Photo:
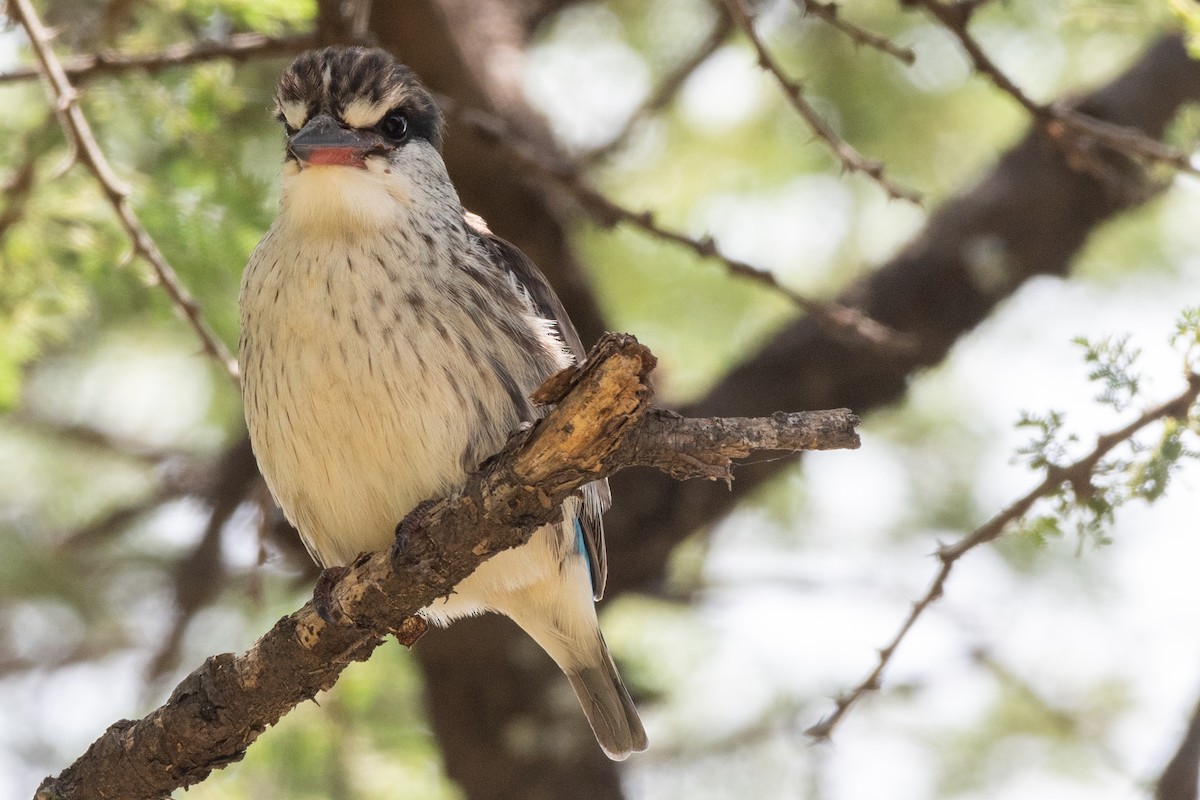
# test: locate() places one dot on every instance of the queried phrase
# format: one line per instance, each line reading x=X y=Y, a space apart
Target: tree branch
x=1059 y=121
x=79 y=132
x=831 y=15
x=602 y=423
x=239 y=47
x=842 y=150
x=975 y=251
x=843 y=321
x=1078 y=475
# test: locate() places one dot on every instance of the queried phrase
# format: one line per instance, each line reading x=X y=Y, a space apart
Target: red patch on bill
x=334 y=156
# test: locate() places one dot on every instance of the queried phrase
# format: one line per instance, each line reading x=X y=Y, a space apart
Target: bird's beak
x=323 y=142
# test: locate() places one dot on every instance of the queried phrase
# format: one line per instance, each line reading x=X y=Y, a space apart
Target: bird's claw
x=323 y=602
x=413 y=521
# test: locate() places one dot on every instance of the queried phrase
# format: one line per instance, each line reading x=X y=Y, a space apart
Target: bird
x=389 y=344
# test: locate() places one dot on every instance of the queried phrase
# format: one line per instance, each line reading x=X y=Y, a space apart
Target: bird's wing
x=517 y=266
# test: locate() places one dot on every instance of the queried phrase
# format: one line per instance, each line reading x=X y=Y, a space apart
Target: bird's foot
x=326 y=607
x=408 y=528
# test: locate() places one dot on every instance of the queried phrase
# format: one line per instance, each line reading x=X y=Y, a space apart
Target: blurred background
x=1063 y=661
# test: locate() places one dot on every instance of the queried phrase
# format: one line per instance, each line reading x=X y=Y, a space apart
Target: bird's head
x=363 y=133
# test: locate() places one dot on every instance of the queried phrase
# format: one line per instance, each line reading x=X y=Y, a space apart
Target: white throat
x=348 y=202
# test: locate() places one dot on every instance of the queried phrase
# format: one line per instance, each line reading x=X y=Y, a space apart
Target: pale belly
x=361 y=404
x=349 y=449
x=351 y=439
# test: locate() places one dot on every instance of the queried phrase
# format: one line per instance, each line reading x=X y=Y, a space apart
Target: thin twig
x=239 y=47
x=845 y=153
x=847 y=322
x=1078 y=474
x=831 y=14
x=1060 y=122
x=667 y=88
x=78 y=130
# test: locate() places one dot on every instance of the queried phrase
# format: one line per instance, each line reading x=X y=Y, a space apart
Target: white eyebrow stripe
x=294 y=112
x=361 y=113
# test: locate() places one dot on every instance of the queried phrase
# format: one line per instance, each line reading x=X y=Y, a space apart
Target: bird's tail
x=606 y=703
x=561 y=617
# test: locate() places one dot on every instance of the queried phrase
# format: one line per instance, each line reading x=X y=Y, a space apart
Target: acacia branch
x=86 y=149
x=239 y=47
x=1077 y=475
x=842 y=150
x=602 y=422
x=1058 y=121
x=843 y=321
x=831 y=15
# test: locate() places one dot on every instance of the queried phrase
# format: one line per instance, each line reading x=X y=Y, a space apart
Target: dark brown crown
x=359 y=82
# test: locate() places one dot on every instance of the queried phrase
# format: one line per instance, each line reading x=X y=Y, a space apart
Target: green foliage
x=1050 y=444
x=1111 y=361
x=201 y=153
x=1150 y=473
x=1089 y=492
x=1187 y=336
x=1041 y=529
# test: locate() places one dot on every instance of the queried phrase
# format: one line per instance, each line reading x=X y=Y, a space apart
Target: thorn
x=67 y=99
x=819 y=733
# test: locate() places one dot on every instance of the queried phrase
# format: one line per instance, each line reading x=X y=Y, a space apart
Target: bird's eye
x=394 y=126
x=289 y=130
